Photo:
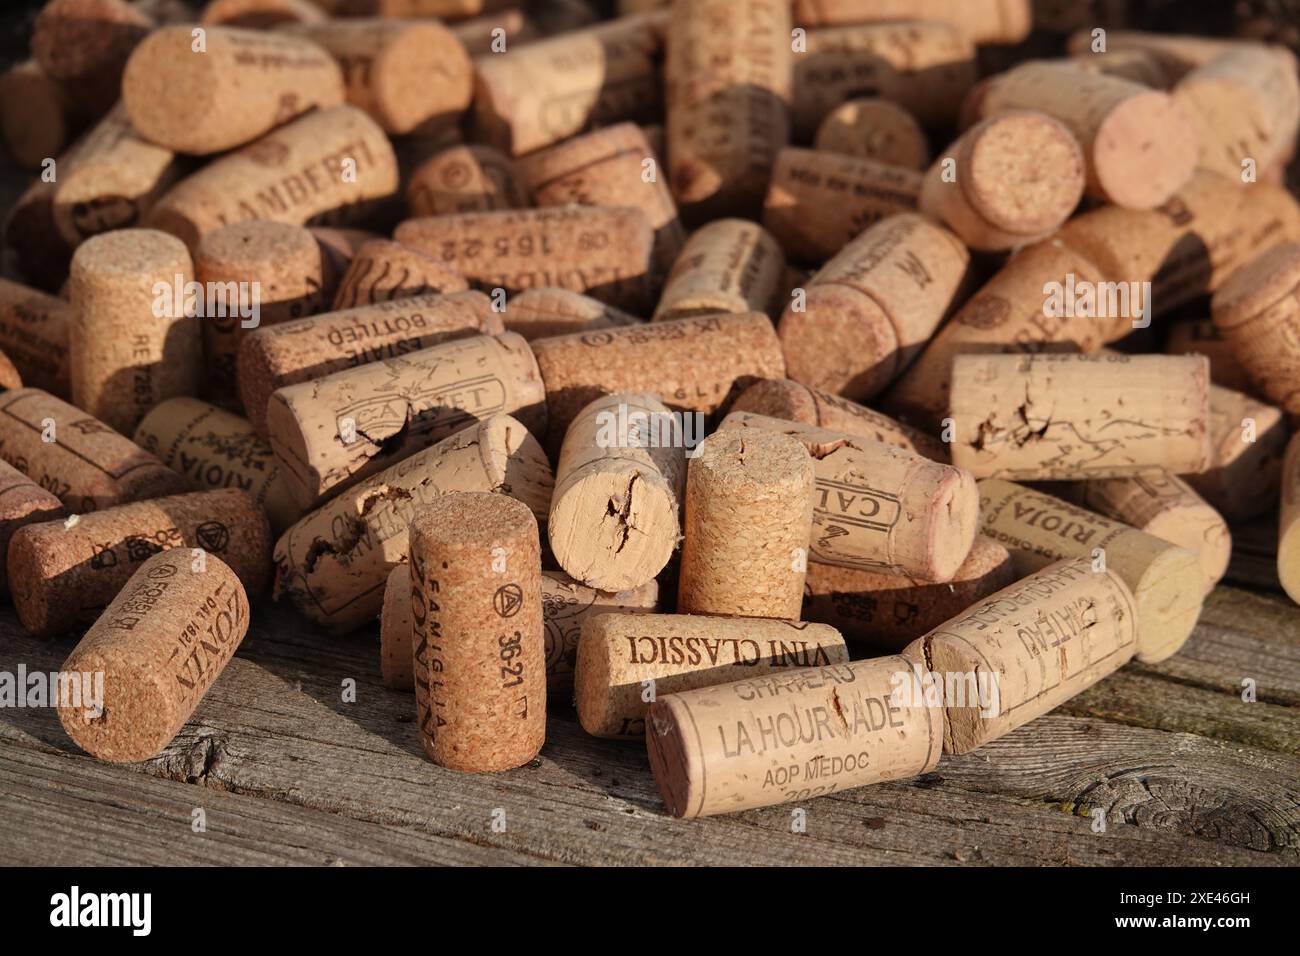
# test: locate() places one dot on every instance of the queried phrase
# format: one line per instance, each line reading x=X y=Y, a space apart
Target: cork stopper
x=240 y=85
x=132 y=341
x=541 y=313
x=984 y=21
x=34 y=336
x=261 y=14
x=875 y=129
x=1288 y=533
x=615 y=516
x=85 y=45
x=382 y=271
x=729 y=265
x=1247 y=440
x=37 y=117
x=477 y=632
x=748 y=520
x=1202 y=337
x=159 y=645
x=22 y=502
x=471 y=178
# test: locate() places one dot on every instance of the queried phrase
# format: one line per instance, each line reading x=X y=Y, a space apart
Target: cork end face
x=36 y=597
x=591 y=679
x=422 y=79
x=737 y=461
x=955 y=507
x=515 y=463
x=842 y=343
x=129 y=722
x=1202 y=531
x=1257 y=286
x=1024 y=173
x=128 y=255
x=676 y=769
x=779 y=398
x=473 y=520
x=169 y=89
x=1169 y=596
x=1144 y=150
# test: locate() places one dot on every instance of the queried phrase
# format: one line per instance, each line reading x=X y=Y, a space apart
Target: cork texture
x=37 y=116
x=728 y=265
x=261 y=14
x=22 y=502
x=1288 y=530
x=85 y=45
x=1247 y=441
x=467 y=178
x=1203 y=337
x=545 y=312
x=984 y=21
x=875 y=129
x=382 y=271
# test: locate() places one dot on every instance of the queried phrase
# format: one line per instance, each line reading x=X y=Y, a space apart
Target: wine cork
x=1166 y=580
x=442 y=9
x=1137 y=66
x=984 y=21
x=275 y=357
x=37 y=116
x=476 y=627
x=789 y=736
x=614 y=166
x=989 y=187
x=383 y=271
x=158 y=647
x=34 y=335
x=85 y=45
x=133 y=341
x=40 y=255
x=262 y=273
x=748 y=520
x=214 y=449
x=627 y=660
x=328 y=165
x=1177 y=54
x=85 y=464
x=333 y=563
x=818 y=202
x=1288 y=535
x=22 y=502
x=727 y=83
x=1257 y=310
x=883 y=613
x=540 y=93
x=1041 y=417
x=924 y=66
x=261 y=14
x=465 y=179
x=110 y=179
x=1138 y=143
x=880 y=508
x=1247 y=440
x=782 y=398
x=1040 y=641
x=238 y=87
x=875 y=129
x=615 y=517
x=408 y=75
x=869 y=311
x=331 y=432
x=694 y=364
x=541 y=313
x=603 y=252
x=1166 y=507
x=728 y=265
x=63 y=574
x=1203 y=337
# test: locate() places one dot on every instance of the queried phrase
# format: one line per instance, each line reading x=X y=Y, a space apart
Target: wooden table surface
x=285 y=771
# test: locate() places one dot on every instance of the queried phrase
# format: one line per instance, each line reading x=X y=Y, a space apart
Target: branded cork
x=331 y=165
x=1257 y=310
x=278 y=356
x=880 y=508
x=883 y=613
x=789 y=736
x=984 y=21
x=818 y=202
x=34 y=336
x=1041 y=641
x=748 y=520
x=132 y=342
x=540 y=93
x=22 y=502
x=923 y=65
x=1055 y=416
x=382 y=271
x=782 y=398
x=728 y=265
x=869 y=310
x=1288 y=534
x=85 y=464
x=543 y=312
x=477 y=632
x=614 y=166
x=161 y=643
x=727 y=81
x=875 y=129
x=470 y=178
x=261 y=14
x=627 y=660
x=694 y=364
x=1139 y=144
x=37 y=116
x=1248 y=439
x=85 y=45
x=332 y=564
x=1167 y=507
x=213 y=449
x=408 y=75
x=63 y=574
x=615 y=517
x=1203 y=337
x=565 y=605
x=239 y=86
x=989 y=187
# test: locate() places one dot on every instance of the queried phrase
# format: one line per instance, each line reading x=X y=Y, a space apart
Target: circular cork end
x=1288 y=561
x=395 y=663
x=591 y=681
x=9 y=377
x=954 y=506
x=129 y=261
x=135 y=722
x=169 y=90
x=282 y=260
x=779 y=398
x=261 y=14
x=422 y=75
x=677 y=769
x=1024 y=172
x=734 y=464
x=473 y=521
x=1144 y=150
x=39 y=601
x=1202 y=531
x=613 y=525
x=874 y=129
x=32 y=114
x=1257 y=286
x=1169 y=596
x=516 y=463
x=842 y=343
x=77 y=38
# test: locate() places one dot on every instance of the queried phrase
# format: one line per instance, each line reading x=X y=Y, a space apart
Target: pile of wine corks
x=763 y=381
